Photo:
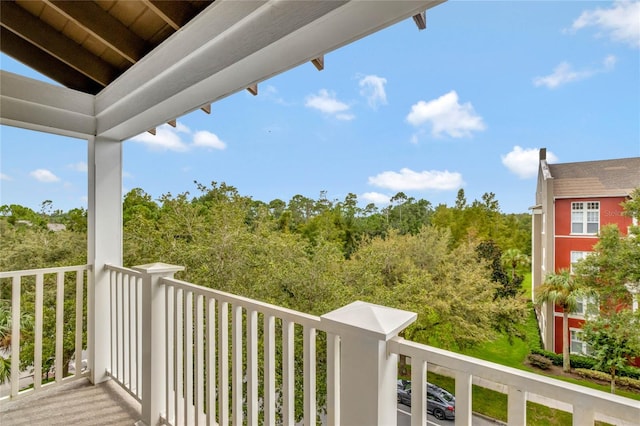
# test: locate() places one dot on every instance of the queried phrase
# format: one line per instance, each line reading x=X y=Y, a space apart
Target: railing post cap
x=158 y=268
x=377 y=321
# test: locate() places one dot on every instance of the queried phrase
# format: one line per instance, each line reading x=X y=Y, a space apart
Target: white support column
x=104 y=241
x=154 y=340
x=368 y=372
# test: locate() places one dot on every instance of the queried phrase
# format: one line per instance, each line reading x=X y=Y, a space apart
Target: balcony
x=177 y=353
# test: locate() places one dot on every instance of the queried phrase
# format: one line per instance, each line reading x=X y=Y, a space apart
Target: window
x=577 y=256
x=585 y=305
x=585 y=217
x=577 y=345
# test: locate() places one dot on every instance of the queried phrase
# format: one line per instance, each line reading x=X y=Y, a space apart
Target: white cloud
x=564 y=73
x=447 y=115
x=44 y=175
x=208 y=140
x=621 y=22
x=165 y=139
x=80 y=166
x=372 y=88
x=408 y=180
x=327 y=103
x=5 y=177
x=523 y=162
x=375 y=198
x=168 y=138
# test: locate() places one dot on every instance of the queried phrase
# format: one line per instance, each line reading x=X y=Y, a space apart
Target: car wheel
x=399 y=399
x=438 y=414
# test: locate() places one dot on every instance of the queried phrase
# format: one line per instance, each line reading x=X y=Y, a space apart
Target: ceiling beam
x=318 y=62
x=421 y=20
x=104 y=27
x=36 y=105
x=174 y=13
x=30 y=55
x=22 y=23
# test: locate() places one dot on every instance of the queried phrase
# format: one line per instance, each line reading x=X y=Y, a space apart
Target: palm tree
x=562 y=290
x=514 y=258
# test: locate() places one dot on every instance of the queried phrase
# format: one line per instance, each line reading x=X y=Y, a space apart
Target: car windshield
x=447 y=396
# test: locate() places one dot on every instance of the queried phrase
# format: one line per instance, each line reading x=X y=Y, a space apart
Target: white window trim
x=585 y=349
x=584 y=213
x=571 y=260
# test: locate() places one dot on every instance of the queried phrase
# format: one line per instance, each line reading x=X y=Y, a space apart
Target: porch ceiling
x=128 y=66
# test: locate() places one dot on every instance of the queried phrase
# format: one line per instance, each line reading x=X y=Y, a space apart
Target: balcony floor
x=77 y=403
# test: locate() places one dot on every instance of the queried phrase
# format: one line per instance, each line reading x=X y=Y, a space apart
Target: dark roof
x=596 y=178
x=85 y=45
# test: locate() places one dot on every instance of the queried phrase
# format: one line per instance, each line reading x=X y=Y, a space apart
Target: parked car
x=440 y=403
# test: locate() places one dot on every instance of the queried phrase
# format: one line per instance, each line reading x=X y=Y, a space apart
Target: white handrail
x=588 y=404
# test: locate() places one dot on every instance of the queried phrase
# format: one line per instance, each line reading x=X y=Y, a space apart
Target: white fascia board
x=36 y=105
x=269 y=40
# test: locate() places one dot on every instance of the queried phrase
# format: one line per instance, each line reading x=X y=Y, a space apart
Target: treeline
x=449 y=264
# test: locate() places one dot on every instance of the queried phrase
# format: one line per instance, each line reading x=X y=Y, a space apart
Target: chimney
x=543 y=154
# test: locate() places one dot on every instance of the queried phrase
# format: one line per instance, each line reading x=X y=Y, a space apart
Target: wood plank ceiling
x=86 y=45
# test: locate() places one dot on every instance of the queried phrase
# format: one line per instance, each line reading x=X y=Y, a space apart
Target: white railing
x=125 y=309
x=42 y=297
x=585 y=404
x=194 y=356
x=208 y=345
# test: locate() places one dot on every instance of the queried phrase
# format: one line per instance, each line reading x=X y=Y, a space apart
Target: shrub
x=540 y=361
x=600 y=375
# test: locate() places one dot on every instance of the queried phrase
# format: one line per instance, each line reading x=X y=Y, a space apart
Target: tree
x=564 y=291
x=514 y=259
x=614 y=340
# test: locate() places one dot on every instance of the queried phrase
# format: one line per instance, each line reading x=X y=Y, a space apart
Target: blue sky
x=465 y=103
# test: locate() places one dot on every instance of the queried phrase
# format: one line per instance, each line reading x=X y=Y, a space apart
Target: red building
x=573 y=202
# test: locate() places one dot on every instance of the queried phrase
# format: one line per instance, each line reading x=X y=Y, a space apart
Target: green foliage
x=614 y=340
x=600 y=375
x=540 y=361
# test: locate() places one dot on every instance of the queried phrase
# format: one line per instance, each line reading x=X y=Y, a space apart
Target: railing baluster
x=37 y=349
x=178 y=370
x=79 y=327
x=188 y=361
x=418 y=391
x=236 y=366
x=309 y=363
x=464 y=382
x=199 y=362
x=288 y=377
x=15 y=331
x=59 y=325
x=269 y=369
x=126 y=331
x=517 y=403
x=170 y=365
x=252 y=367
x=223 y=363
x=333 y=379
x=139 y=388
x=211 y=361
x=112 y=323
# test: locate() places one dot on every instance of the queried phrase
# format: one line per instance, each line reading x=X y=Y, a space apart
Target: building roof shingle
x=616 y=177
